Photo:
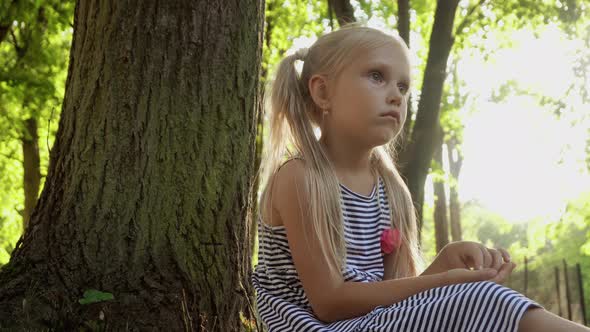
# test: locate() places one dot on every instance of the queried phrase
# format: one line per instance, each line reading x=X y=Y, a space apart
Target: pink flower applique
x=390 y=240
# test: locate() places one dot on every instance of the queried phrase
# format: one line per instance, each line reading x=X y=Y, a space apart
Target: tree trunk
x=416 y=158
x=344 y=11
x=455 y=205
x=403 y=19
x=148 y=190
x=441 y=224
x=32 y=172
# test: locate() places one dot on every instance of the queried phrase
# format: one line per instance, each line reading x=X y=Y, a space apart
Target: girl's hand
x=467 y=254
x=504 y=272
x=461 y=275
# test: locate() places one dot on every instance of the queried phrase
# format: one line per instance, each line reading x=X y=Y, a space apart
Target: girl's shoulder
x=285 y=181
x=293 y=166
x=291 y=157
x=289 y=175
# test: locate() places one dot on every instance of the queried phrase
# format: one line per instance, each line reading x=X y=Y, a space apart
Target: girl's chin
x=386 y=138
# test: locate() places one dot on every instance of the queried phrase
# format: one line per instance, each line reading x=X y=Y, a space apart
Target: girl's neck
x=348 y=160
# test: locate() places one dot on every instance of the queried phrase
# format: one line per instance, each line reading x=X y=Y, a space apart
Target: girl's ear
x=319 y=91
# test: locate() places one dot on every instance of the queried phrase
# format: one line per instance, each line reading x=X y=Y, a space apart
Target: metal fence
x=558 y=288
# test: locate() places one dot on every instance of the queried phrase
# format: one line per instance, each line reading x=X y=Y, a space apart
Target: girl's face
x=368 y=101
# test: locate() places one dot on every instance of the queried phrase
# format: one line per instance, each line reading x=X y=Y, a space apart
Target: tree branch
x=466 y=19
x=344 y=11
x=17 y=48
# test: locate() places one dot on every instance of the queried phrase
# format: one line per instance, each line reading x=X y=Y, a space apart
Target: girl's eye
x=403 y=88
x=376 y=76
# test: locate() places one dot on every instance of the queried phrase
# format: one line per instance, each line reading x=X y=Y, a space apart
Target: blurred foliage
x=287 y=20
x=34 y=54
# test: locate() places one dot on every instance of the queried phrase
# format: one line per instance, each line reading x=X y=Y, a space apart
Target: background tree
x=455 y=158
x=449 y=139
x=441 y=220
x=149 y=179
x=33 y=57
x=417 y=155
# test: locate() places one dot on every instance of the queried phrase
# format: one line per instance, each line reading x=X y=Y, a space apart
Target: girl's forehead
x=386 y=56
x=393 y=53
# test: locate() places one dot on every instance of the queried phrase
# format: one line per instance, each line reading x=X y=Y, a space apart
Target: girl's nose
x=395 y=96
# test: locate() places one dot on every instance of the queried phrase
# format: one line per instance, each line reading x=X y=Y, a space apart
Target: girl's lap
x=460 y=307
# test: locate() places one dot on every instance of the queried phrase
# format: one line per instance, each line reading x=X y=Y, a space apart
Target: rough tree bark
x=148 y=190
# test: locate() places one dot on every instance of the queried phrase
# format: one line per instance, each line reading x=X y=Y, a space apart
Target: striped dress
x=283 y=306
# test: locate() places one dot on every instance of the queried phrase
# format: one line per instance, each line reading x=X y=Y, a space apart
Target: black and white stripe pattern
x=283 y=306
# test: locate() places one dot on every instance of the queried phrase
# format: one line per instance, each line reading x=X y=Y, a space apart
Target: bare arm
x=388 y=262
x=438 y=265
x=332 y=298
x=352 y=299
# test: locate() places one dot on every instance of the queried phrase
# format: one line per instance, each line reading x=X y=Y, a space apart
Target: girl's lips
x=393 y=115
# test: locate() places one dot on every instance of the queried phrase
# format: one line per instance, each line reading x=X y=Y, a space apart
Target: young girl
x=338 y=247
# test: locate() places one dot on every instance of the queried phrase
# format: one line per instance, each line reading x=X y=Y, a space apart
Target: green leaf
x=93 y=296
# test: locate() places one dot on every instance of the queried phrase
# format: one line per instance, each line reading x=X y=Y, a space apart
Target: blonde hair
x=292 y=119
